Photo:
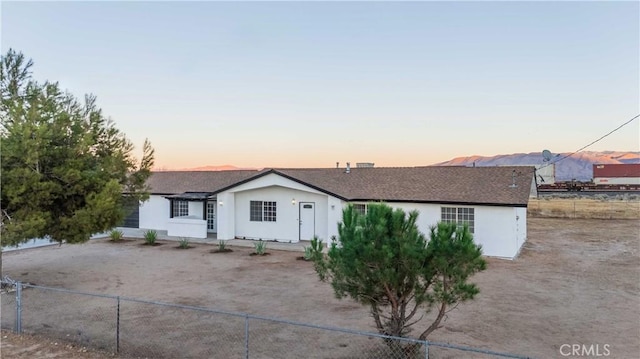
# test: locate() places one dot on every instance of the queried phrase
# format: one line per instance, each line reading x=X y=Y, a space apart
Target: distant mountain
x=578 y=166
x=212 y=168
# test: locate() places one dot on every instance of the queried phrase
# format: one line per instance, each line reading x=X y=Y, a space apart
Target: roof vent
x=365 y=164
x=348 y=170
x=513 y=179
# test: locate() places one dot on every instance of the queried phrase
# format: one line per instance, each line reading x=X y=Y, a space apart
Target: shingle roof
x=438 y=184
x=173 y=182
x=441 y=184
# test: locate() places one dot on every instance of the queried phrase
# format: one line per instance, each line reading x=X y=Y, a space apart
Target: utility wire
x=590 y=144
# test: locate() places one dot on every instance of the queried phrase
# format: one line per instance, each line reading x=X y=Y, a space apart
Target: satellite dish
x=546 y=155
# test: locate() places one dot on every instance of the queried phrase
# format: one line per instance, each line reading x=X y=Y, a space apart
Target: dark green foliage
x=65 y=166
x=385 y=263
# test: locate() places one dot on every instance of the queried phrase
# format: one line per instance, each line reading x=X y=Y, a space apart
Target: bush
x=307 y=254
x=116 y=235
x=314 y=251
x=260 y=248
x=183 y=243
x=150 y=236
x=222 y=246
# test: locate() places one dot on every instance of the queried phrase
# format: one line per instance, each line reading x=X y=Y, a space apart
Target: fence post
x=246 y=336
x=19 y=307
x=426 y=349
x=118 y=326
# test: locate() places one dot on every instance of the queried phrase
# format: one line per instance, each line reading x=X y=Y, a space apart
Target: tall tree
x=67 y=171
x=383 y=261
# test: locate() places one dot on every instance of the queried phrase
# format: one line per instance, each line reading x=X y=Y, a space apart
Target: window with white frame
x=460 y=215
x=180 y=208
x=262 y=211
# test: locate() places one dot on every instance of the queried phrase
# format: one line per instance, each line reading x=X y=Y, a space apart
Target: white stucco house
x=291 y=205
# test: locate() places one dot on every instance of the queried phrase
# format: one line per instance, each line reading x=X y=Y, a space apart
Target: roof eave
x=461 y=203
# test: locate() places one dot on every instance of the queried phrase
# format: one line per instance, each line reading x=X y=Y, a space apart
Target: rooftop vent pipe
x=348 y=170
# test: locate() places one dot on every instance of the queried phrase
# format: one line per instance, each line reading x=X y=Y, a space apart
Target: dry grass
x=586 y=208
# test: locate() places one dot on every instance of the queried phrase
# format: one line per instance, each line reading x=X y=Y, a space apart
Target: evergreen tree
x=67 y=171
x=383 y=261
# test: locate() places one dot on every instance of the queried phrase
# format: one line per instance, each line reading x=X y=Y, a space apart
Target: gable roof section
x=430 y=184
x=174 y=182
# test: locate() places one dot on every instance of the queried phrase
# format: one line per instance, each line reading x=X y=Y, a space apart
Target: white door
x=211 y=217
x=307 y=220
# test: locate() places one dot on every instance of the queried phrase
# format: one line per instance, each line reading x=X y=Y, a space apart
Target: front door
x=307 y=220
x=211 y=217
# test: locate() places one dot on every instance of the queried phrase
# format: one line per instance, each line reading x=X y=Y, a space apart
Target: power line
x=592 y=143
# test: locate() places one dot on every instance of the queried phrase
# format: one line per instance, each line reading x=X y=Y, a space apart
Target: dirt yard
x=577 y=281
x=585 y=208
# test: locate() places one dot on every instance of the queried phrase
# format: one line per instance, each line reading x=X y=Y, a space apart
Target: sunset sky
x=308 y=84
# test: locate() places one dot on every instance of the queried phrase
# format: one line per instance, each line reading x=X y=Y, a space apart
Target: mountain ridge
x=568 y=166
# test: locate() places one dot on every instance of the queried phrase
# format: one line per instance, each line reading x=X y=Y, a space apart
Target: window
x=460 y=215
x=361 y=208
x=180 y=208
x=255 y=211
x=262 y=211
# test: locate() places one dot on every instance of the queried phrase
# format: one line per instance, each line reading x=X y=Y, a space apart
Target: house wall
x=191 y=227
x=334 y=216
x=233 y=215
x=154 y=213
x=286 y=227
x=521 y=228
x=500 y=230
x=226 y=216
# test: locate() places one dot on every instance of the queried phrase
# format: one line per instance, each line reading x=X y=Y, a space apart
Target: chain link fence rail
x=139 y=328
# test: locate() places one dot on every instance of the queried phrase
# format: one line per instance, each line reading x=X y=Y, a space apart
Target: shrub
x=307 y=254
x=116 y=235
x=183 y=243
x=260 y=248
x=222 y=246
x=315 y=251
x=150 y=236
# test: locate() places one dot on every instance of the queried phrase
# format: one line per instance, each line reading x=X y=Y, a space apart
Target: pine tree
x=383 y=261
x=67 y=171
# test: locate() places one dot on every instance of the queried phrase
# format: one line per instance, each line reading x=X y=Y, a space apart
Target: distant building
x=546 y=174
x=617 y=174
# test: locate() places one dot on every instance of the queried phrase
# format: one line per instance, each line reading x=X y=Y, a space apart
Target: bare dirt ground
x=34 y=347
x=577 y=281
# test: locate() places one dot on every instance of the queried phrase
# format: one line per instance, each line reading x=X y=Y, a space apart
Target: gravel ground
x=575 y=282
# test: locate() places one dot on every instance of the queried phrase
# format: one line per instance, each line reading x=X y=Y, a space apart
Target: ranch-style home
x=291 y=205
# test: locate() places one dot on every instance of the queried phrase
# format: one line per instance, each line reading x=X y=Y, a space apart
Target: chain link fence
x=138 y=328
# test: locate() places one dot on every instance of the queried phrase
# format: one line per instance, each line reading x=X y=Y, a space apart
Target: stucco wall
x=496 y=228
x=154 y=213
x=286 y=227
x=191 y=227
